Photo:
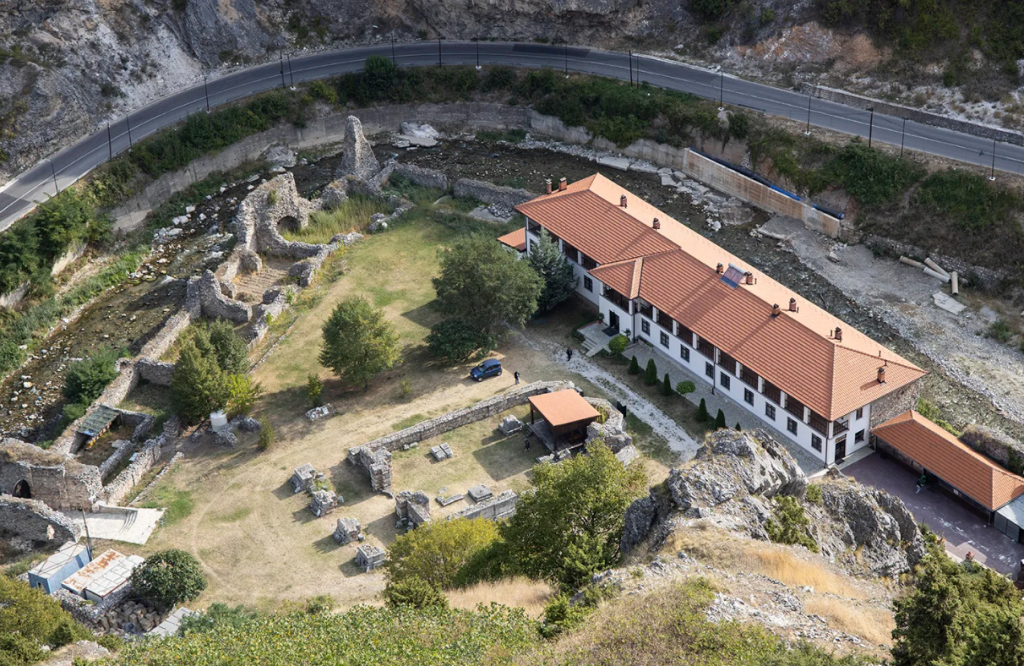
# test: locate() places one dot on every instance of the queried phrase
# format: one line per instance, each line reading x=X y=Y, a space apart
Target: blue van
x=489 y=368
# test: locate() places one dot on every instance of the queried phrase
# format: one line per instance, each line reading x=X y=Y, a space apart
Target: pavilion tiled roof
x=563 y=407
x=944 y=455
x=515 y=240
x=675 y=269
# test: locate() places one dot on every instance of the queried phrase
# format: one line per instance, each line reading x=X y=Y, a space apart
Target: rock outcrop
x=357 y=158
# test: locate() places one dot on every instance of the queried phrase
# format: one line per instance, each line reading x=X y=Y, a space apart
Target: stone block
x=369 y=557
x=511 y=424
x=323 y=502
x=347 y=531
x=303 y=478
x=480 y=493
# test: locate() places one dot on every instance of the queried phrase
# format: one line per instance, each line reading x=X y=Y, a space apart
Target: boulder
x=334 y=194
x=280 y=156
x=640 y=518
x=249 y=261
x=357 y=158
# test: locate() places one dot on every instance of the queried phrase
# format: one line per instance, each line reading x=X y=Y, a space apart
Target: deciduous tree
x=435 y=552
x=169 y=577
x=359 y=342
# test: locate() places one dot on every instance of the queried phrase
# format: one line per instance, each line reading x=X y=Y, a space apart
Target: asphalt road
x=20 y=195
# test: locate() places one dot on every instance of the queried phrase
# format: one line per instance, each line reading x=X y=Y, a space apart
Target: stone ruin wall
x=498 y=507
x=33 y=520
x=59 y=482
x=491 y=193
x=115 y=491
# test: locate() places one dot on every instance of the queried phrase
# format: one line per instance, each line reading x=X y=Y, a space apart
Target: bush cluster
x=210 y=373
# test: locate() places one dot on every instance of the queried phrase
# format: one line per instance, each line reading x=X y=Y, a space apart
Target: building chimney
x=622 y=201
x=748 y=277
x=719 y=268
x=657 y=223
x=547 y=185
x=776 y=310
x=792 y=305
x=881 y=375
x=561 y=184
x=839 y=334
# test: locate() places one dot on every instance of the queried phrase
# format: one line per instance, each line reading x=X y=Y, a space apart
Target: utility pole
x=721 y=91
x=638 y=71
x=54 y=172
x=903 y=137
x=110 y=144
x=281 y=57
x=992 y=174
x=291 y=74
x=631 y=68
x=206 y=91
x=871 y=125
x=566 y=61
x=439 y=63
x=128 y=122
x=807 y=130
x=394 y=61
x=477 y=40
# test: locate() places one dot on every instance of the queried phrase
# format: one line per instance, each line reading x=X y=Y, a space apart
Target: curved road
x=20 y=195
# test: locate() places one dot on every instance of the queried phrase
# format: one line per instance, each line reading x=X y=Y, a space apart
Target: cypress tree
x=738 y=428
x=666 y=386
x=651 y=374
x=634 y=367
x=702 y=412
x=720 y=420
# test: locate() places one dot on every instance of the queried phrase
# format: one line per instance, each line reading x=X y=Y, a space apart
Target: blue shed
x=51 y=572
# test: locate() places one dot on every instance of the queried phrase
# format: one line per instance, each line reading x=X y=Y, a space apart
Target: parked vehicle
x=489 y=368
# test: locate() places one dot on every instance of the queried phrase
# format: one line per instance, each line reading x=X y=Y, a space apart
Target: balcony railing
x=664 y=321
x=616 y=298
x=839 y=426
x=645 y=309
x=819 y=423
x=795 y=407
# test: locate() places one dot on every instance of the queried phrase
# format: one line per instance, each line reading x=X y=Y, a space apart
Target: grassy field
x=234 y=508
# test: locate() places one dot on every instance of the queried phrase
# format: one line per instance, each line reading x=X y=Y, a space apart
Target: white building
x=798 y=368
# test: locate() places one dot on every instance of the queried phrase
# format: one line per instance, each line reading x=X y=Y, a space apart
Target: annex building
x=801 y=370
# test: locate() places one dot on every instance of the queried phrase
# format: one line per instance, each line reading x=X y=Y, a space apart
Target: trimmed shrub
x=666 y=386
x=684 y=387
x=634 y=366
x=267 y=435
x=618 y=344
x=720 y=421
x=702 y=412
x=314 y=387
x=651 y=373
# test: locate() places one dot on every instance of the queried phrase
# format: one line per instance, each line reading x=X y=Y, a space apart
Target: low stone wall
x=115 y=491
x=171 y=464
x=490 y=193
x=155 y=372
x=460 y=417
x=500 y=506
x=422 y=176
x=33 y=520
x=917 y=115
x=117 y=457
x=736 y=184
x=986 y=278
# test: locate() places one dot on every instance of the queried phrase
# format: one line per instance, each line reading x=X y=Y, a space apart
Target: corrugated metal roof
x=81 y=579
x=54 y=563
x=97 y=421
x=563 y=407
x=947 y=457
x=674 y=269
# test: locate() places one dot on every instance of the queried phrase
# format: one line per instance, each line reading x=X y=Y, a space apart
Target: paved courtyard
x=963 y=529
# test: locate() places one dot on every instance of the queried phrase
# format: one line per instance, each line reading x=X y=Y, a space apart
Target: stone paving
x=120 y=524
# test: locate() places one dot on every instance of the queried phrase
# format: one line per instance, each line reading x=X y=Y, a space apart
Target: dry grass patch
x=873 y=624
x=783 y=563
x=530 y=595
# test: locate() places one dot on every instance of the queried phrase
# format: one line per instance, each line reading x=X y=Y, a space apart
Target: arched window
x=21 y=489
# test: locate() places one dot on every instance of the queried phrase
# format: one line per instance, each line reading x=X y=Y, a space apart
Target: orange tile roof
x=515 y=240
x=943 y=454
x=674 y=269
x=563 y=407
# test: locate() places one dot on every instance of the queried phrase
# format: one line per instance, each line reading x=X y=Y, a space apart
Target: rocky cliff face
x=731 y=485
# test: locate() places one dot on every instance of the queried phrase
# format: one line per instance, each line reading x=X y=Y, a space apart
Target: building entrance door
x=840 y=449
x=613 y=321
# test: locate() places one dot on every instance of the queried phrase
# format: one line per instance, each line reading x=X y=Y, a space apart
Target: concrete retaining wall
x=460 y=417
x=917 y=115
x=726 y=180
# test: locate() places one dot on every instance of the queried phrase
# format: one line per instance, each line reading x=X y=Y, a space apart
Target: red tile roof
x=515 y=240
x=563 y=407
x=674 y=269
x=944 y=455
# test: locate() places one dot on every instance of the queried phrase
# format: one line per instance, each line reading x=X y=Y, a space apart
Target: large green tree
x=554 y=269
x=169 y=577
x=957 y=615
x=359 y=343
x=485 y=285
x=198 y=385
x=569 y=526
x=435 y=552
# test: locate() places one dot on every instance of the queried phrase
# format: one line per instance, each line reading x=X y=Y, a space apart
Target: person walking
x=516 y=375
x=527 y=443
x=921 y=483
x=568 y=354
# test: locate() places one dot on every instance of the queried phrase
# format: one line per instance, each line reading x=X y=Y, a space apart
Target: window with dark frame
x=664 y=339
x=685 y=334
x=772 y=392
x=748 y=396
x=684 y=353
x=645 y=326
x=815 y=442
x=769 y=411
x=859 y=437
x=588 y=284
x=791 y=425
x=860 y=412
x=709 y=370
x=723 y=380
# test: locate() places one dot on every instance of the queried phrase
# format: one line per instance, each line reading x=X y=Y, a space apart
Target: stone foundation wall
x=422 y=176
x=500 y=506
x=895 y=403
x=491 y=193
x=115 y=491
x=116 y=458
x=460 y=417
x=33 y=520
x=155 y=372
